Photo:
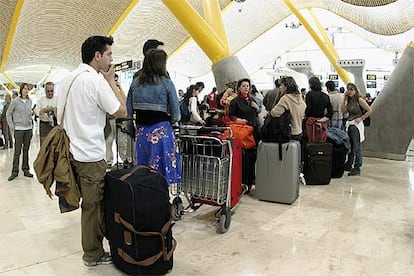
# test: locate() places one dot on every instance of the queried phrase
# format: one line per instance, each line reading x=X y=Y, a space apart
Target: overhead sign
x=371 y=77
x=333 y=76
x=126 y=65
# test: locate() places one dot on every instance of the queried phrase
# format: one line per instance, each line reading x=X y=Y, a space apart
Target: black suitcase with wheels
x=318 y=163
x=138 y=221
x=339 y=152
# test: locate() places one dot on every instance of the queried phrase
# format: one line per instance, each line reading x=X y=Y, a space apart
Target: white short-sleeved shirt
x=90 y=98
x=45 y=102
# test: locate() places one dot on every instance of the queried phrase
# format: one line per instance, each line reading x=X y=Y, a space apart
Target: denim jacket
x=160 y=96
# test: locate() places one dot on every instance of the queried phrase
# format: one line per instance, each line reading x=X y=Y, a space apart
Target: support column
x=10 y=35
x=331 y=57
x=355 y=67
x=211 y=39
x=213 y=17
x=4 y=86
x=10 y=80
x=392 y=120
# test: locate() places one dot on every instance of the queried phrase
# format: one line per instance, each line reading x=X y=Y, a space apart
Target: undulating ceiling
x=48 y=33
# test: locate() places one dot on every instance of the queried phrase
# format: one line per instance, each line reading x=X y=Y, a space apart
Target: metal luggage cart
x=206 y=172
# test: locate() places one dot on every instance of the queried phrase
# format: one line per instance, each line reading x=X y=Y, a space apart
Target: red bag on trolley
x=245 y=134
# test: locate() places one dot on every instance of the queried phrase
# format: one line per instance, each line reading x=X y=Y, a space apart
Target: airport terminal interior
x=356 y=225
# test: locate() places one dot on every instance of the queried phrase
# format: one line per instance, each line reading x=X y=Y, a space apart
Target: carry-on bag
x=318 y=163
x=316 y=132
x=339 y=152
x=278 y=180
x=138 y=221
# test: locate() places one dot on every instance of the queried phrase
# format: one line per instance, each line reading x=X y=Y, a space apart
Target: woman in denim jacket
x=153 y=99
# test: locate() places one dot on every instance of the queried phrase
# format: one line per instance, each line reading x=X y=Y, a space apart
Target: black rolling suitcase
x=339 y=152
x=138 y=221
x=318 y=163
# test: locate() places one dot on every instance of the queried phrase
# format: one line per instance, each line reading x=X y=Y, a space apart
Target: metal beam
x=341 y=72
x=4 y=86
x=122 y=17
x=199 y=29
x=325 y=36
x=10 y=80
x=10 y=35
x=212 y=14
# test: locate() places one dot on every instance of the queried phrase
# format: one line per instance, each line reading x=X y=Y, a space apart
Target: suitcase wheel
x=225 y=219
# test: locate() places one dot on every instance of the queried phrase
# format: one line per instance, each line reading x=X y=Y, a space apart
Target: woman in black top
x=318 y=106
x=243 y=110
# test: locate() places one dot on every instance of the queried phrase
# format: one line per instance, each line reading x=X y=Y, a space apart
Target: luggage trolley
x=211 y=170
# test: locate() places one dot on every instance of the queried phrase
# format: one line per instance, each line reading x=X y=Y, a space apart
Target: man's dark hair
x=200 y=85
x=277 y=83
x=154 y=66
x=95 y=44
x=315 y=84
x=330 y=85
x=151 y=44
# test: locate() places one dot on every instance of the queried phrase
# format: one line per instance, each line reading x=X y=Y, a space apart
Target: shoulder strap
x=67 y=95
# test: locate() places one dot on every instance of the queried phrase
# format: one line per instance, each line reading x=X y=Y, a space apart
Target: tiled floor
x=354 y=226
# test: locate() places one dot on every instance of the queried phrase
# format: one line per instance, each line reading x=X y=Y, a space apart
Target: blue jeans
x=336 y=123
x=356 y=150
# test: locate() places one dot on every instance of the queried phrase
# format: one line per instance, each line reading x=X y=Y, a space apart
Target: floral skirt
x=156 y=147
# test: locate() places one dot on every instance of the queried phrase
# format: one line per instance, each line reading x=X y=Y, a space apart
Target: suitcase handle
x=149 y=261
x=139 y=167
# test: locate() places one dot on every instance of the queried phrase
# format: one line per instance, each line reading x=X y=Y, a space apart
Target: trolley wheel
x=177 y=209
x=195 y=205
x=225 y=219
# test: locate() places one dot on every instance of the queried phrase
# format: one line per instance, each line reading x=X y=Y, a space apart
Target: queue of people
x=91 y=92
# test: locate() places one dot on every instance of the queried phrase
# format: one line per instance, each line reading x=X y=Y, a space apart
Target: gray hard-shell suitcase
x=278 y=180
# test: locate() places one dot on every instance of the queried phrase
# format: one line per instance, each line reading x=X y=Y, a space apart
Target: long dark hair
x=291 y=86
x=154 y=65
x=315 y=84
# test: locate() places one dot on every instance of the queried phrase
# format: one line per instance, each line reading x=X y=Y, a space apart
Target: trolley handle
x=210 y=128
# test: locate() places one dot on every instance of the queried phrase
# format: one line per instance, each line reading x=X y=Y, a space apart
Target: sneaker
x=12 y=177
x=104 y=260
x=354 y=173
x=28 y=174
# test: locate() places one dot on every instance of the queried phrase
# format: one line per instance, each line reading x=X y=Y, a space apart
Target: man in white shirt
x=84 y=98
x=336 y=99
x=46 y=110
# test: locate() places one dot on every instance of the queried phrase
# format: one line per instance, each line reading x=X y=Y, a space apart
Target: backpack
x=185 y=112
x=277 y=130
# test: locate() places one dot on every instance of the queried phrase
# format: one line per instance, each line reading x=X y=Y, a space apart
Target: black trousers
x=249 y=166
x=22 y=140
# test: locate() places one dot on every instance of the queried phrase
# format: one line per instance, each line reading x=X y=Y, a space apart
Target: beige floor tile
x=354 y=226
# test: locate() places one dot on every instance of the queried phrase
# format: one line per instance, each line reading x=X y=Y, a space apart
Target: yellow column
x=4 y=86
x=341 y=72
x=10 y=80
x=199 y=30
x=325 y=37
x=10 y=35
x=122 y=17
x=213 y=17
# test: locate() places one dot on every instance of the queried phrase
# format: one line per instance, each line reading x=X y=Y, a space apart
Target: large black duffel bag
x=138 y=221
